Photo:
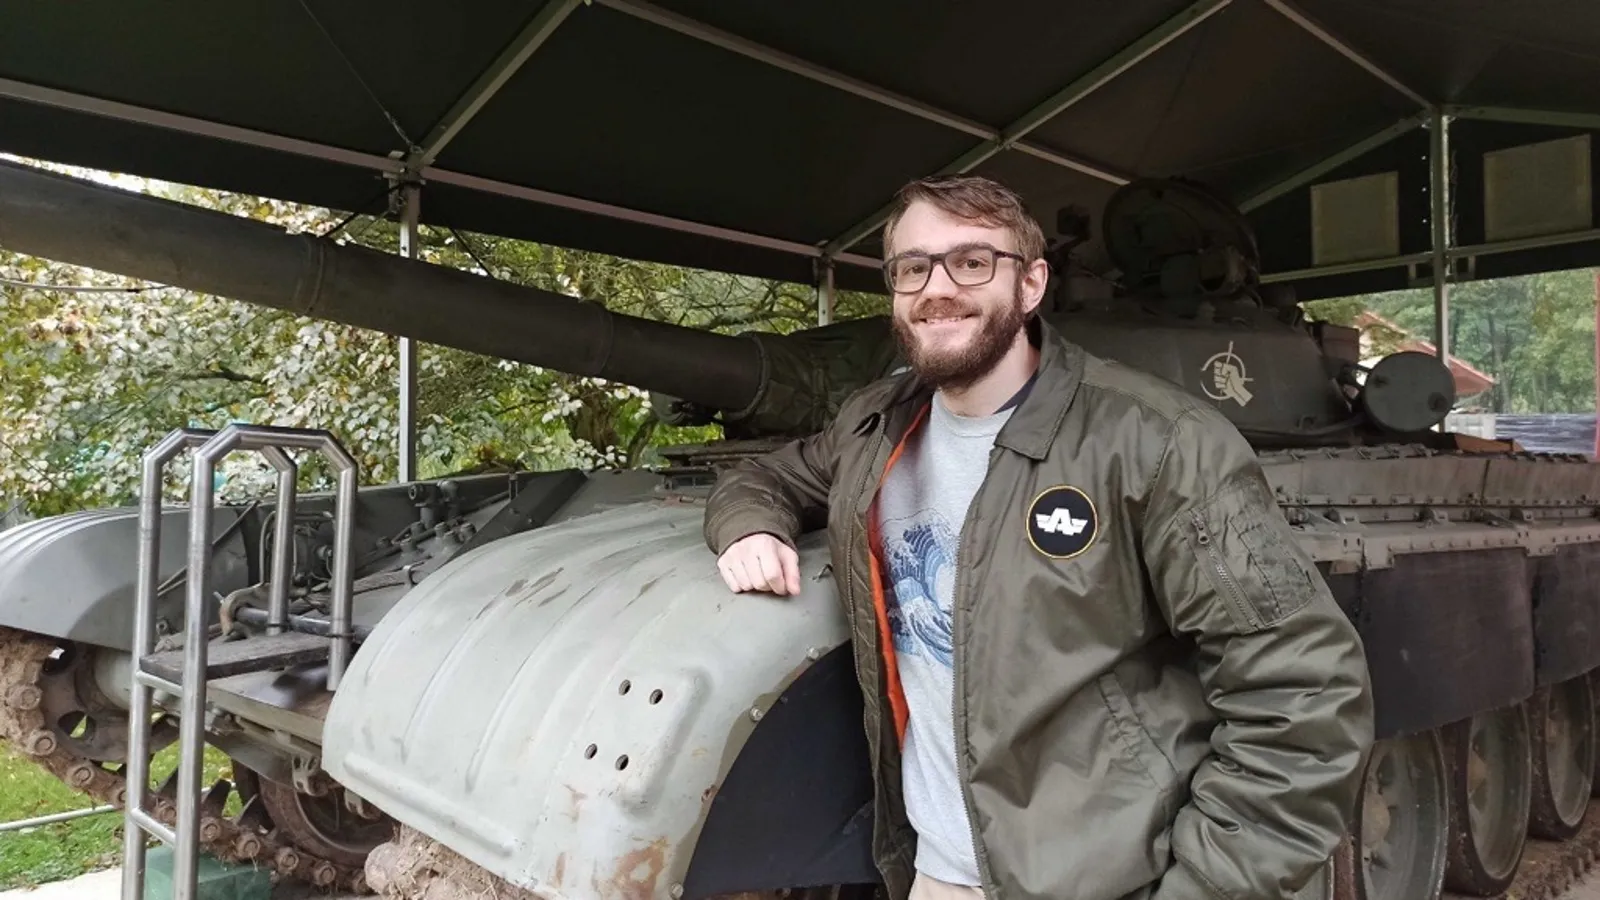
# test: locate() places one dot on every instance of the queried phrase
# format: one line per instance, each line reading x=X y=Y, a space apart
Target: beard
x=959 y=367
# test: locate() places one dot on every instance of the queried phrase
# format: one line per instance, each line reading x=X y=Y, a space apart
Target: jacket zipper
x=1234 y=592
x=858 y=527
x=958 y=677
x=861 y=534
x=855 y=498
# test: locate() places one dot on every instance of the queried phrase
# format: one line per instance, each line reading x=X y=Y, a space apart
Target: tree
x=1534 y=334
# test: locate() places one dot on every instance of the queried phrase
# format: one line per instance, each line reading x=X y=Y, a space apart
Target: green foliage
x=1535 y=335
x=64 y=850
x=93 y=379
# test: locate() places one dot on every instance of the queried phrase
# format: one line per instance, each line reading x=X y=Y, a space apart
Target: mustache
x=941 y=307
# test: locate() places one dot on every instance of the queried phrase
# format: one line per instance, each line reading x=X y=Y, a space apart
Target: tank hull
x=472 y=710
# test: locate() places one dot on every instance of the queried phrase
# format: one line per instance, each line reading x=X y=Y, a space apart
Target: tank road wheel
x=83 y=719
x=324 y=825
x=1402 y=824
x=1491 y=783
x=1594 y=690
x=1562 y=724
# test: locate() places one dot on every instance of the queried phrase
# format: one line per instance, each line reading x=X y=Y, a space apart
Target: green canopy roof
x=758 y=137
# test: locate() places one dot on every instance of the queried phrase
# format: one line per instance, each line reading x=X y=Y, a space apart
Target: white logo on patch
x=1228 y=379
x=1060 y=522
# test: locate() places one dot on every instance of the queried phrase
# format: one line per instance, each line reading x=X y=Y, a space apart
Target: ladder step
x=148 y=823
x=255 y=654
x=158 y=683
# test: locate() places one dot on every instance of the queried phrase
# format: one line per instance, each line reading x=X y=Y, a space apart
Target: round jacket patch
x=1062 y=522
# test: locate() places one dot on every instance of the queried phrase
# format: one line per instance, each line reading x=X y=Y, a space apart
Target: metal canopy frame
x=393 y=166
x=789 y=63
x=523 y=46
x=411 y=167
x=1316 y=30
x=1264 y=195
x=417 y=163
x=1081 y=87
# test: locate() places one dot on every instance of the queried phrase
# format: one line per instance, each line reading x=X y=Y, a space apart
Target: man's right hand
x=760 y=562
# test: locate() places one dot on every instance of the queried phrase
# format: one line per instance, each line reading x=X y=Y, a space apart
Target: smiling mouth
x=943 y=320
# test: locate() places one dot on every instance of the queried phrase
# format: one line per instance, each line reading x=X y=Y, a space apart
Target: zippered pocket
x=1249 y=555
x=1221 y=575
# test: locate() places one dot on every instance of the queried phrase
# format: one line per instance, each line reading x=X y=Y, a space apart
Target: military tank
x=551 y=693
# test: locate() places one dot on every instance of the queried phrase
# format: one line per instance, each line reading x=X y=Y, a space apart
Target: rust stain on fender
x=636 y=873
x=560 y=873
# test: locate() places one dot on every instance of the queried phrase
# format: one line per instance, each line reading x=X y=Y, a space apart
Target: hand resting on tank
x=760 y=562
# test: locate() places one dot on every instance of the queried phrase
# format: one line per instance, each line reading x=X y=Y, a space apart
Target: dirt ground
x=1588 y=890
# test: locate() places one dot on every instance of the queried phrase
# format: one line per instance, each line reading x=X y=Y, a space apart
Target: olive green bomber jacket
x=1156 y=695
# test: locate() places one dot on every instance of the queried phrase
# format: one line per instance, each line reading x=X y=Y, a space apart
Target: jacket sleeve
x=1281 y=666
x=775 y=493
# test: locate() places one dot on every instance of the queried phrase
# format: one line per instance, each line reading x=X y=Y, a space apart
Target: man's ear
x=1034 y=280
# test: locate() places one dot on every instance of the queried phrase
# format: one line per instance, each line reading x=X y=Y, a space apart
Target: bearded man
x=1095 y=663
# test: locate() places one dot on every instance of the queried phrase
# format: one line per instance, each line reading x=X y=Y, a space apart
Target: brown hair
x=977 y=199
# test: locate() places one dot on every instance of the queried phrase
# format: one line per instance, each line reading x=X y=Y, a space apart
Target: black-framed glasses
x=968 y=266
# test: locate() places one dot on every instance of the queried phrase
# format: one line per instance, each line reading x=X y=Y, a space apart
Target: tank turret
x=1185 y=303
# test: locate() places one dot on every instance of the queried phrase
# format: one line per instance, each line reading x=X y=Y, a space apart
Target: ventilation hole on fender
x=590 y=752
x=625 y=687
x=622 y=762
x=655 y=696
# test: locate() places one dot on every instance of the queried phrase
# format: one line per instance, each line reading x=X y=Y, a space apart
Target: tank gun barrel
x=81 y=223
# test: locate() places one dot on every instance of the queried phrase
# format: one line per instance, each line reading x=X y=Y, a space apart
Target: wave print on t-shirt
x=921 y=555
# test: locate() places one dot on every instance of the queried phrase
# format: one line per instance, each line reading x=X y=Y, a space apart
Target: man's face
x=953 y=334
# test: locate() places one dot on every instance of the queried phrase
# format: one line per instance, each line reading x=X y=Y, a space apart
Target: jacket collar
x=1034 y=424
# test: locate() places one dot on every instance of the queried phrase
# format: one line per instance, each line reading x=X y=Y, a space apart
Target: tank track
x=22 y=659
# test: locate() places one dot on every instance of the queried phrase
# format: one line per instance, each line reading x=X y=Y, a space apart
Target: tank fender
x=560 y=706
x=1447 y=634
x=73 y=576
x=1566 y=620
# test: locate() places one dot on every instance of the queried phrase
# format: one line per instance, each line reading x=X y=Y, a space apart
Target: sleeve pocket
x=1247 y=550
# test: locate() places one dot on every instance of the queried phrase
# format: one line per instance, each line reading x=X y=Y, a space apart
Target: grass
x=67 y=849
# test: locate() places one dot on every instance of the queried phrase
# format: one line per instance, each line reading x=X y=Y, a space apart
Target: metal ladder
x=210 y=447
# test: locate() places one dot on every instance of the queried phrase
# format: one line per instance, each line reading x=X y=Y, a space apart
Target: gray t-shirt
x=921 y=509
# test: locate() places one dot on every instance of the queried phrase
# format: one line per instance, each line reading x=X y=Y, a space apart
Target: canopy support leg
x=411 y=195
x=1439 y=219
x=826 y=295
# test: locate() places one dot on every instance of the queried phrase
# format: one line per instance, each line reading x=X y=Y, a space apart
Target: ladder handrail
x=209 y=448
x=137 y=774
x=266 y=438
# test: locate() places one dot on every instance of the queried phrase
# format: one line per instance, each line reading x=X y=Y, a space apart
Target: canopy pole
x=1439 y=219
x=826 y=296
x=411 y=196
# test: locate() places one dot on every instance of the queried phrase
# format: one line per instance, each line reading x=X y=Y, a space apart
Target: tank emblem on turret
x=1228 y=378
